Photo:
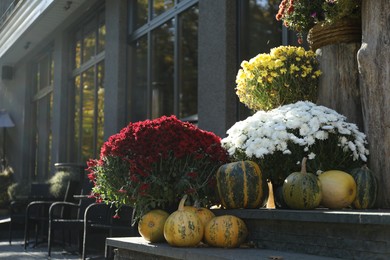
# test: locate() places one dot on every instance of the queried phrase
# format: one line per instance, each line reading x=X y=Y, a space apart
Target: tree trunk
x=339 y=83
x=374 y=67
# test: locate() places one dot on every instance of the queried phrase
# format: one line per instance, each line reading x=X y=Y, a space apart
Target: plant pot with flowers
x=325 y=21
x=151 y=164
x=279 y=138
x=284 y=75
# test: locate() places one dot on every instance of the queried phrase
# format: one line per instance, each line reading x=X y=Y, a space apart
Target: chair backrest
x=39 y=191
x=72 y=189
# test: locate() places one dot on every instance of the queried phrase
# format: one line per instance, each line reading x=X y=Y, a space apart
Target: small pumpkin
x=183 y=228
x=302 y=190
x=366 y=188
x=226 y=231
x=204 y=214
x=151 y=225
x=241 y=185
x=338 y=189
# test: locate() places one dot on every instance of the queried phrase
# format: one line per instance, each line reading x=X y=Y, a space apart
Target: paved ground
x=16 y=252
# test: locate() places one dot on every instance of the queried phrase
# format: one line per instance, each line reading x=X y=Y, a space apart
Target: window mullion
x=149 y=75
x=176 y=70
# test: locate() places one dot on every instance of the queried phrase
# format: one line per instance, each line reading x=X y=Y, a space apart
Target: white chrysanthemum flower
x=294 y=130
x=311 y=156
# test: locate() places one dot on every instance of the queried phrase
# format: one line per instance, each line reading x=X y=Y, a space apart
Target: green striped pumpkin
x=302 y=190
x=241 y=185
x=367 y=188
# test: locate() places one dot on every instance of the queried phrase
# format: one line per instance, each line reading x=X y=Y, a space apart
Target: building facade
x=75 y=72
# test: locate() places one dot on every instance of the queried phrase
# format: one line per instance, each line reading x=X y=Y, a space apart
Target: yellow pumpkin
x=225 y=231
x=204 y=214
x=151 y=225
x=183 y=228
x=338 y=189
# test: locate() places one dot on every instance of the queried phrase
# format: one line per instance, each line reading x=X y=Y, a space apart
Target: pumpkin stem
x=303 y=166
x=182 y=201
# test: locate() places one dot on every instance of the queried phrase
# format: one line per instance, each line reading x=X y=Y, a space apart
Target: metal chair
x=73 y=220
x=18 y=207
x=37 y=212
x=100 y=217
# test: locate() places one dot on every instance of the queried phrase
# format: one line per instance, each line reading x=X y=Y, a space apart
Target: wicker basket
x=345 y=31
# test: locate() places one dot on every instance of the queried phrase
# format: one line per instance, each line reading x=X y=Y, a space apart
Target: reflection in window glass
x=88 y=128
x=139 y=96
x=89 y=46
x=77 y=50
x=160 y=6
x=259 y=32
x=42 y=114
x=101 y=41
x=188 y=82
x=77 y=111
x=100 y=105
x=162 y=70
x=88 y=112
x=262 y=31
x=164 y=61
x=140 y=9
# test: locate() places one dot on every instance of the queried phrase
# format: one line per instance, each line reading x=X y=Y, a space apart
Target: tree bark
x=374 y=68
x=339 y=83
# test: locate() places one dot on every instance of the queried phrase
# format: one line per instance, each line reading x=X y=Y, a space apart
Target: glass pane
x=139 y=97
x=101 y=33
x=77 y=113
x=44 y=67
x=100 y=107
x=77 y=50
x=160 y=6
x=88 y=114
x=188 y=94
x=140 y=11
x=37 y=78
x=263 y=31
x=162 y=70
x=51 y=70
x=259 y=32
x=89 y=41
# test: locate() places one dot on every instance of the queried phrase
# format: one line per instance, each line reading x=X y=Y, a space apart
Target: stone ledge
x=375 y=217
x=347 y=234
x=139 y=248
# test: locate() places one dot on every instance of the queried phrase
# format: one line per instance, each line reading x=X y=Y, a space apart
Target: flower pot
x=344 y=31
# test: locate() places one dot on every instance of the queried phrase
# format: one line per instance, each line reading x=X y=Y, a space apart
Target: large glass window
x=88 y=88
x=42 y=112
x=164 y=58
x=259 y=32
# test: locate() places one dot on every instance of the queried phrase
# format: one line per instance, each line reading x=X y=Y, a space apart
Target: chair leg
x=10 y=232
x=36 y=234
x=49 y=234
x=84 y=242
x=26 y=233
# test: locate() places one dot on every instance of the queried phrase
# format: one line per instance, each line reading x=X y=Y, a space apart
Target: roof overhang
x=31 y=22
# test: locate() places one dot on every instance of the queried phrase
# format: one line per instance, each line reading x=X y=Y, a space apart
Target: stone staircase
x=284 y=234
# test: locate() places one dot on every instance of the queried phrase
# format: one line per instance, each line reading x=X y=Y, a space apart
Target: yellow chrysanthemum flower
x=284 y=75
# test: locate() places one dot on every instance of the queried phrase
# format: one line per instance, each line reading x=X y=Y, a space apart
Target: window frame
x=146 y=31
x=75 y=151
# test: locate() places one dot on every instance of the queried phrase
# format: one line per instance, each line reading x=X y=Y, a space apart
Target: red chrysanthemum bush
x=153 y=163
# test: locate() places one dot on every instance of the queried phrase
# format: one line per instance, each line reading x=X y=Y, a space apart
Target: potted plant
x=285 y=75
x=326 y=21
x=278 y=140
x=152 y=164
x=59 y=182
x=6 y=180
